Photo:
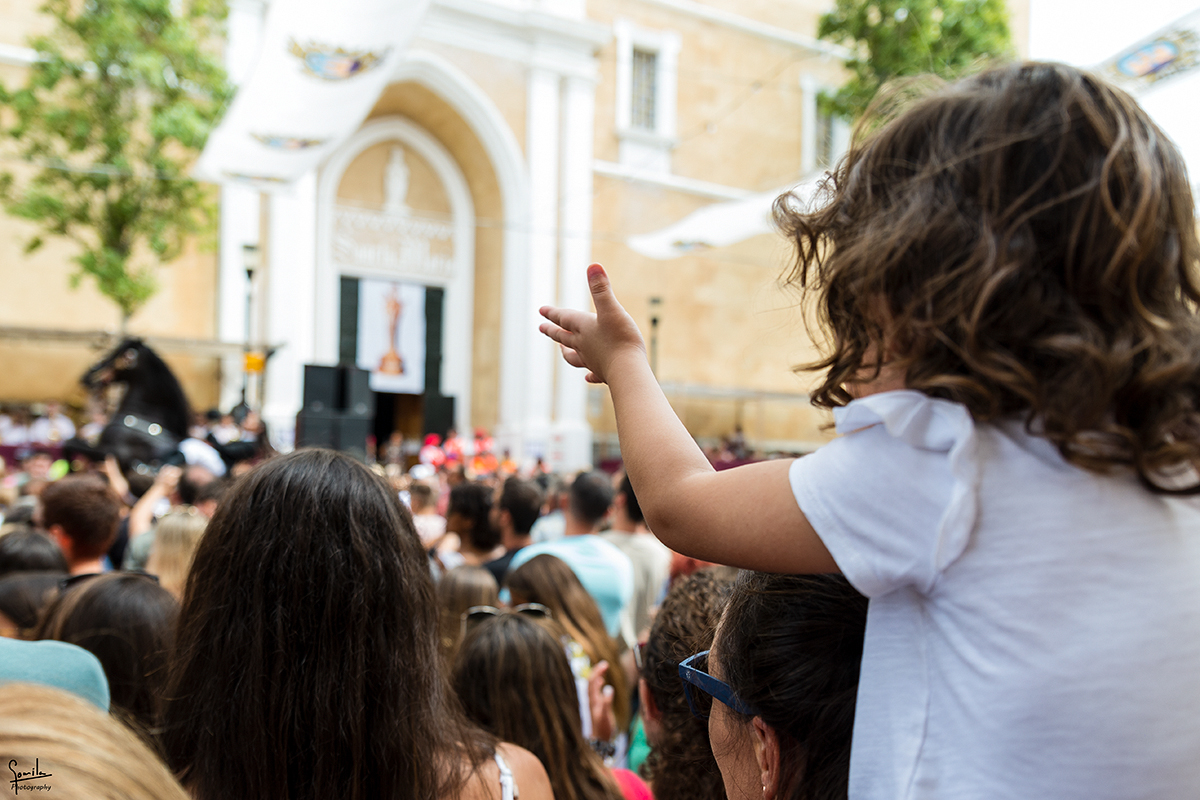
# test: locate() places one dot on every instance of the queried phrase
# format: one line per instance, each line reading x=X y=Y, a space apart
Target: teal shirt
x=601 y=567
x=57 y=664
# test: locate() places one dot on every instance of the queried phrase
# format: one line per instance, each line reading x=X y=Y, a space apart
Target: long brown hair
x=458 y=590
x=307 y=661
x=547 y=579
x=681 y=764
x=513 y=678
x=1022 y=242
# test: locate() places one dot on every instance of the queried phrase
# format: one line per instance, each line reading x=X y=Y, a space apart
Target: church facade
x=517 y=141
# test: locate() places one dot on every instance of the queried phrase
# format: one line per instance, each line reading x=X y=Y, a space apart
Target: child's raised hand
x=594 y=341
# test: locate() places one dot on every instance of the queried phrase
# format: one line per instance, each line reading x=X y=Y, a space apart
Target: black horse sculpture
x=153 y=416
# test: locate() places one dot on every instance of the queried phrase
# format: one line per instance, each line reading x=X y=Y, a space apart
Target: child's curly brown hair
x=1022 y=242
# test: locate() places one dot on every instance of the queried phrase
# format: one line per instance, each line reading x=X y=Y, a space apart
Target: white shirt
x=200 y=452
x=1034 y=628
x=48 y=430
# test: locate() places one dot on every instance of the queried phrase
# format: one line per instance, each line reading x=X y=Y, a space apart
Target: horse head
x=153 y=415
x=118 y=366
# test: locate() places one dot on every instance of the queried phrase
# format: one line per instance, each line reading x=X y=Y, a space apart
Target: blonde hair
x=84 y=752
x=175 y=541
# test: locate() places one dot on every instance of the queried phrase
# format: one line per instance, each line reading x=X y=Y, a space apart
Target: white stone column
x=238 y=212
x=291 y=304
x=543 y=151
x=571 y=436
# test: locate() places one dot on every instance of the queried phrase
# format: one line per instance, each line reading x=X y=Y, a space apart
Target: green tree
x=121 y=97
x=897 y=38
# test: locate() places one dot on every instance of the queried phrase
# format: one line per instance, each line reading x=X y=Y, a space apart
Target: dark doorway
x=398 y=412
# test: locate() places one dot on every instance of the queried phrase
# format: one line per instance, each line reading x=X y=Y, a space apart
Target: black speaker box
x=322 y=389
x=352 y=433
x=357 y=398
x=316 y=429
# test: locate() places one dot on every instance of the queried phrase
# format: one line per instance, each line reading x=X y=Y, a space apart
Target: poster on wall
x=391 y=335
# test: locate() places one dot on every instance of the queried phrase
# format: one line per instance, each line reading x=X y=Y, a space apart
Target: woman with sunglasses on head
x=784 y=674
x=307 y=662
x=547 y=580
x=513 y=678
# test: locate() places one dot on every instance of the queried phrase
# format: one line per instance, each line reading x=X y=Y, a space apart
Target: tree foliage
x=897 y=38
x=120 y=99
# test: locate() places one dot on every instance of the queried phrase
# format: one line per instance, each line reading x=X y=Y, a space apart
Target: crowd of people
x=988 y=586
x=468 y=658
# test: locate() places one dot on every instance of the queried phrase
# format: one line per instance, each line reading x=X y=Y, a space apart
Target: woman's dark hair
x=25 y=595
x=1022 y=242
x=474 y=502
x=681 y=765
x=547 y=579
x=790 y=646
x=307 y=658
x=513 y=678
x=127 y=621
x=30 y=550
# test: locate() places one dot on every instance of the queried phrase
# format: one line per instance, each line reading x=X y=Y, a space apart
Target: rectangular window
x=642 y=112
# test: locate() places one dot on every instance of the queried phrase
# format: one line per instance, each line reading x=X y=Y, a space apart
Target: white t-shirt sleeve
x=893 y=499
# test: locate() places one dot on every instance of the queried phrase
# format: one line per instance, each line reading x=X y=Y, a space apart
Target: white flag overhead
x=320 y=70
x=1159 y=57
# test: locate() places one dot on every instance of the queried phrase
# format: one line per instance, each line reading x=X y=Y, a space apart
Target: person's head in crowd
x=458 y=590
x=789 y=648
x=23 y=598
x=547 y=579
x=84 y=751
x=194 y=478
x=20 y=515
x=591 y=497
x=176 y=537
x=421 y=497
x=469 y=515
x=513 y=679
x=33 y=487
x=518 y=506
x=627 y=514
x=209 y=496
x=680 y=765
x=28 y=550
x=81 y=513
x=307 y=661
x=128 y=622
x=36 y=465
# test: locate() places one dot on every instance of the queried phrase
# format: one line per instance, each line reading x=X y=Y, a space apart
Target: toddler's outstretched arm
x=745 y=517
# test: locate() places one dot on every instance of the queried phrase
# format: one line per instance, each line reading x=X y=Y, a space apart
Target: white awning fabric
x=720 y=224
x=320 y=69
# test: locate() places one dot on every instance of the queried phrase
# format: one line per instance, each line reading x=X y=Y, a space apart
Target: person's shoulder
x=529 y=775
x=532 y=781
x=53 y=663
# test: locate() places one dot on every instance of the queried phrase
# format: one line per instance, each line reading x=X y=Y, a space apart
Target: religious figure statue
x=392 y=363
x=395 y=183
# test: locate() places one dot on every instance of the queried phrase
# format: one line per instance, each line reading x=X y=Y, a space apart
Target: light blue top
x=601 y=567
x=57 y=664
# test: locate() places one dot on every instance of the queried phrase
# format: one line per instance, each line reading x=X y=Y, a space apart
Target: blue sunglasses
x=700 y=702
